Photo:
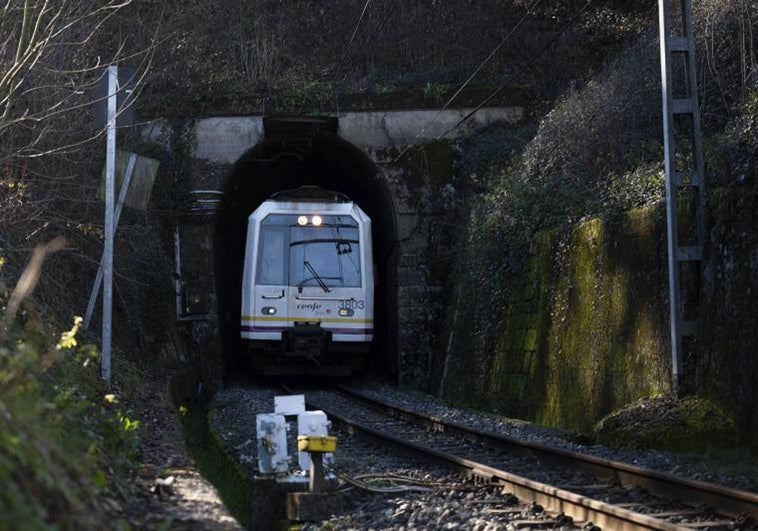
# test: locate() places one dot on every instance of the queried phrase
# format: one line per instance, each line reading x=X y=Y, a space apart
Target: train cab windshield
x=309 y=250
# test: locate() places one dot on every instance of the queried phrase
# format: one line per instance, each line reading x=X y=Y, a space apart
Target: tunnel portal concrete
x=243 y=160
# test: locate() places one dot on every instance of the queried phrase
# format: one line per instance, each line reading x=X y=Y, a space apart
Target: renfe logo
x=313 y=306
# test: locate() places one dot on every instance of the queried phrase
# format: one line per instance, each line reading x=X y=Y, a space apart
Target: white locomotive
x=308 y=283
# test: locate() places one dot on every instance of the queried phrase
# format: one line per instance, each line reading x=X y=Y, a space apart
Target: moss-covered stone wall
x=581 y=327
x=727 y=354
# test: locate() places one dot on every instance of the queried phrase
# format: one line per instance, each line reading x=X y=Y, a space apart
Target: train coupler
x=308 y=341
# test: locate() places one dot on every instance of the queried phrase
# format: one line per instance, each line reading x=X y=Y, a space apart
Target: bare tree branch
x=28 y=281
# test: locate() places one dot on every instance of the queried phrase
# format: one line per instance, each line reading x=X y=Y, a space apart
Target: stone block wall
x=727 y=355
x=416 y=185
x=582 y=328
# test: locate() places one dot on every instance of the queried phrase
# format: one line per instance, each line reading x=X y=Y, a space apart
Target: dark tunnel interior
x=281 y=163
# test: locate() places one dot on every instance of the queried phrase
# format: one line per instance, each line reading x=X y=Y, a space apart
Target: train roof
x=310 y=194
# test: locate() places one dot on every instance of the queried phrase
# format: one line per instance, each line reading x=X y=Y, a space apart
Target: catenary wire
x=505 y=85
x=355 y=30
x=383 y=23
x=471 y=77
x=373 y=36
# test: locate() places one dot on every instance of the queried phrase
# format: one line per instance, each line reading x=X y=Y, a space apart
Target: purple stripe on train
x=248 y=328
x=350 y=331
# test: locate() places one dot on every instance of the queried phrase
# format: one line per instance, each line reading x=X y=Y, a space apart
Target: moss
x=576 y=330
x=737 y=463
x=580 y=328
x=693 y=424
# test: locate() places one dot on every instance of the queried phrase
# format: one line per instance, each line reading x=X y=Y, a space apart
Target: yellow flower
x=68 y=339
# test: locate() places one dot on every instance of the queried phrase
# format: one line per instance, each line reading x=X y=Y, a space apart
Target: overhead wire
x=478 y=69
x=345 y=52
x=355 y=30
x=505 y=85
x=384 y=21
x=373 y=36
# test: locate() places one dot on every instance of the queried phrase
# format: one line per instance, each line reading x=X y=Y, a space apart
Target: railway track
x=609 y=494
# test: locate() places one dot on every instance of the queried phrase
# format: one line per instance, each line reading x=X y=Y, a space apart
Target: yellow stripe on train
x=343 y=320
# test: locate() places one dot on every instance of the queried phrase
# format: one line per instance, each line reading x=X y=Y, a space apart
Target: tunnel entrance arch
x=299 y=151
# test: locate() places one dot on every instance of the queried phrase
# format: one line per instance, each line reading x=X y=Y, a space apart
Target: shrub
x=64 y=441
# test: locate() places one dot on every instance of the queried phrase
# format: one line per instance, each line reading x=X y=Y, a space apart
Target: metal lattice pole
x=678 y=43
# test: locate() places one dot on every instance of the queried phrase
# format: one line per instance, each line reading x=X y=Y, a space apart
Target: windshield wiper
x=316 y=276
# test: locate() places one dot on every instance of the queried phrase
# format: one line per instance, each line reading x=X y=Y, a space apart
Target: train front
x=308 y=287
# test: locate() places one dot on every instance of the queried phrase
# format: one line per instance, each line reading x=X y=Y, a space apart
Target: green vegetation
x=558 y=299
x=571 y=337
x=65 y=442
x=734 y=462
x=434 y=91
x=578 y=332
x=284 y=58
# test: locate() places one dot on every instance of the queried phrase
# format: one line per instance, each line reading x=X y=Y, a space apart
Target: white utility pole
x=110 y=175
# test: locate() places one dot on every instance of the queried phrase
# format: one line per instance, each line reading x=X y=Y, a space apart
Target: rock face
x=582 y=328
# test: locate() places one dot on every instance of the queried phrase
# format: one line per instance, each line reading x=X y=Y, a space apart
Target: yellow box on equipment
x=316 y=443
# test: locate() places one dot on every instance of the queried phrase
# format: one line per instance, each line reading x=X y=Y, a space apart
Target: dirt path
x=169 y=488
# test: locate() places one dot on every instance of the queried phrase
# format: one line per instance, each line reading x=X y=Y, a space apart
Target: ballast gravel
x=232 y=418
x=681 y=465
x=445 y=500
x=459 y=504
x=437 y=499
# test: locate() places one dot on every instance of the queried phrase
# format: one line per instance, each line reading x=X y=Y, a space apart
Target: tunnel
x=294 y=152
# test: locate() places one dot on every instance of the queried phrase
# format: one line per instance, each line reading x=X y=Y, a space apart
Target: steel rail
x=727 y=501
x=579 y=508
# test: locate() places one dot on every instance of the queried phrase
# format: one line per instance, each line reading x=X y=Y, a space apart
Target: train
x=308 y=284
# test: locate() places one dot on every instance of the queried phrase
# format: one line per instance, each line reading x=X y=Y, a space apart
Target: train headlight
x=302 y=220
x=268 y=310
x=346 y=312
x=316 y=220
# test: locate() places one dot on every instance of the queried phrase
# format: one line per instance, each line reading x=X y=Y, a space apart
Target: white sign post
x=110 y=173
x=117 y=214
